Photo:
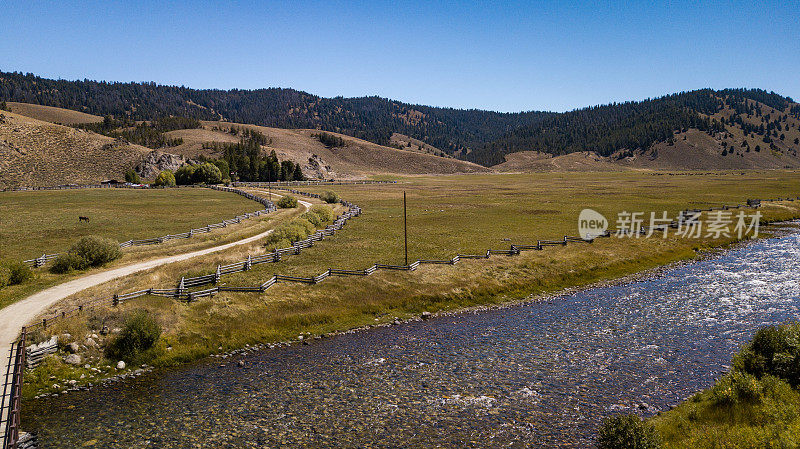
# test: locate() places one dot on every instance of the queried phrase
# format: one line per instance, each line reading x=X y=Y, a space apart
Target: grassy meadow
x=446 y=215
x=35 y=222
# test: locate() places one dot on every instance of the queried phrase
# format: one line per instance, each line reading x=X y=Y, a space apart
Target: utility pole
x=405 y=225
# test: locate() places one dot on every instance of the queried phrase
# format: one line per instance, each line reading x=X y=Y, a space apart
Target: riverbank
x=56 y=377
x=540 y=374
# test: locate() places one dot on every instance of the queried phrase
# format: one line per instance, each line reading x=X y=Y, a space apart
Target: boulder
x=73 y=348
x=73 y=359
x=156 y=161
x=120 y=365
x=90 y=343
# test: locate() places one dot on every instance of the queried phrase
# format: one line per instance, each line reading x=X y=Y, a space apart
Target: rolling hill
x=35 y=152
x=700 y=129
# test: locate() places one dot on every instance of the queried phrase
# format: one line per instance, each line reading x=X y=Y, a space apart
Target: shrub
x=288 y=233
x=319 y=215
x=14 y=272
x=132 y=177
x=627 y=432
x=90 y=251
x=329 y=197
x=207 y=173
x=165 y=178
x=68 y=262
x=185 y=175
x=774 y=350
x=287 y=202
x=735 y=388
x=139 y=333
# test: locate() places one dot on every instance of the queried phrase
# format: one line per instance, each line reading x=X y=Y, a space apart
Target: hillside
x=38 y=153
x=53 y=115
x=748 y=124
x=639 y=134
x=370 y=118
x=357 y=158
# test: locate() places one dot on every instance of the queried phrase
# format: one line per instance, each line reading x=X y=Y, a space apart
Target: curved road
x=16 y=315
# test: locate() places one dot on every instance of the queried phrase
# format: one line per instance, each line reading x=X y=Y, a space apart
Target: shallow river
x=535 y=375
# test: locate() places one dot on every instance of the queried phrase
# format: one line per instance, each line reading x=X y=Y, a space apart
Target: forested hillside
x=369 y=118
x=632 y=126
x=484 y=137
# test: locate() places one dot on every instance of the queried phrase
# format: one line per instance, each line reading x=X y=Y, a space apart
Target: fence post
x=249 y=263
x=116 y=300
x=181 y=287
x=191 y=232
x=217 y=275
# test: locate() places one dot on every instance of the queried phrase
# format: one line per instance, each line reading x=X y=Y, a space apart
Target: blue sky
x=506 y=56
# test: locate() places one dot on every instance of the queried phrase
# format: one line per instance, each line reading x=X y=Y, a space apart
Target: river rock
x=426 y=315
x=73 y=359
x=120 y=365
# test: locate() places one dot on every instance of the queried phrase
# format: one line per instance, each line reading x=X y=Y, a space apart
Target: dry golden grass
x=37 y=153
x=51 y=114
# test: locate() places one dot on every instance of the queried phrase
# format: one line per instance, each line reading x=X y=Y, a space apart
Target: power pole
x=405 y=225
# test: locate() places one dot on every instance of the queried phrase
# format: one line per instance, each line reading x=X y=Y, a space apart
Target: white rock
x=120 y=365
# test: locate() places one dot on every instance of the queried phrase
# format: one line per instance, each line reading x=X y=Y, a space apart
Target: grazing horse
x=86 y=219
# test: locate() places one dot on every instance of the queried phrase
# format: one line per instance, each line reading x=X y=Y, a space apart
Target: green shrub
x=329 y=197
x=288 y=233
x=165 y=179
x=132 y=177
x=90 y=251
x=67 y=262
x=139 y=333
x=287 y=202
x=774 y=350
x=14 y=272
x=185 y=175
x=207 y=173
x=627 y=432
x=319 y=215
x=736 y=388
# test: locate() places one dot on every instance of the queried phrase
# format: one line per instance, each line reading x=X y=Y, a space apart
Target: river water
x=535 y=375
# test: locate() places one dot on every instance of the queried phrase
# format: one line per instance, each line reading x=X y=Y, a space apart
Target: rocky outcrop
x=156 y=161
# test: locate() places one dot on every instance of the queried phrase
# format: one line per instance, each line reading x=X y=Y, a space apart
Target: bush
x=774 y=350
x=132 y=177
x=329 y=197
x=736 y=388
x=91 y=251
x=288 y=233
x=627 y=432
x=165 y=178
x=139 y=333
x=14 y=272
x=319 y=215
x=185 y=175
x=207 y=173
x=287 y=202
x=68 y=262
